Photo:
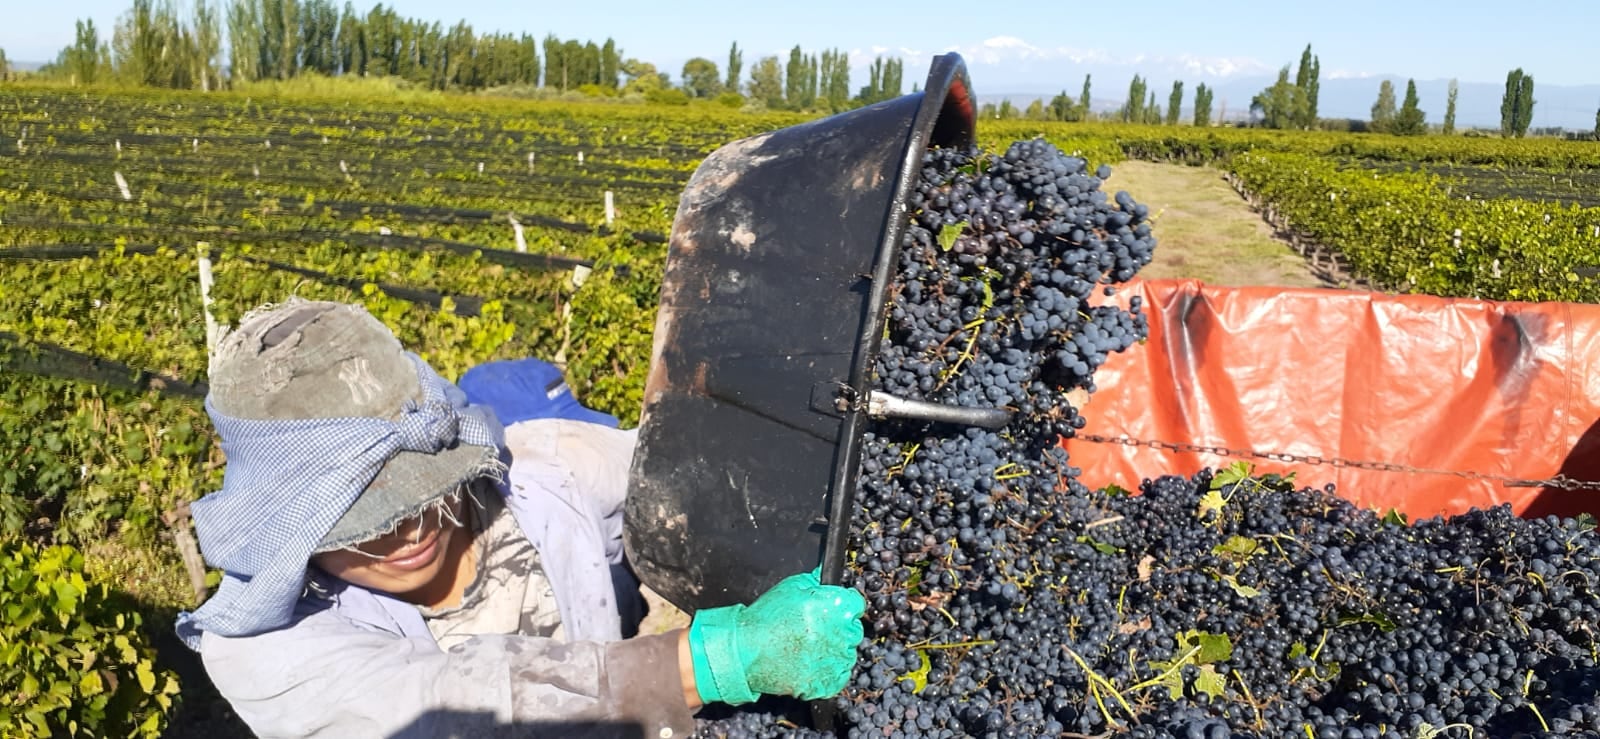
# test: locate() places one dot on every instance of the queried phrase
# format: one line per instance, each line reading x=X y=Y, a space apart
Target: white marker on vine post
x=122 y=185
x=530 y=162
x=611 y=208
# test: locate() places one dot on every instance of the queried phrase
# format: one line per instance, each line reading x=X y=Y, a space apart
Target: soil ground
x=1205 y=231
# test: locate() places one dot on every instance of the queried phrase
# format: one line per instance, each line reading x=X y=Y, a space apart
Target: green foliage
x=801 y=79
x=701 y=78
x=1308 y=79
x=613 y=321
x=833 y=80
x=1450 y=109
x=1203 y=96
x=74 y=661
x=1289 y=104
x=87 y=61
x=766 y=83
x=1516 y=106
x=1175 y=103
x=1398 y=231
x=1411 y=121
x=884 y=81
x=1201 y=650
x=1063 y=107
x=88 y=458
x=642 y=78
x=667 y=96
x=1282 y=105
x=735 y=67
x=1133 y=110
x=1383 y=111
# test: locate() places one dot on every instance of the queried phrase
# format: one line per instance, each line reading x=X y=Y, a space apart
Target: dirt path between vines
x=1205 y=231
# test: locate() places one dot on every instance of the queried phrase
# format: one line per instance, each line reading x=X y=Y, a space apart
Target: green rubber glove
x=798 y=639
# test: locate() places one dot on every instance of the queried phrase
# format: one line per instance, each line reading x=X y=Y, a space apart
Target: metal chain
x=1558 y=481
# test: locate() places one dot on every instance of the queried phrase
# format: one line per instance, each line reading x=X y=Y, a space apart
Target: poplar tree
x=1411 y=121
x=1450 y=109
x=735 y=67
x=1383 y=112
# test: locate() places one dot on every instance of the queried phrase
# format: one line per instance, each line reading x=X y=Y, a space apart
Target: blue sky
x=1473 y=40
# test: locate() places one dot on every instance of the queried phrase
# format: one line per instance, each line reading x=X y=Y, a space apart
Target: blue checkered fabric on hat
x=288 y=481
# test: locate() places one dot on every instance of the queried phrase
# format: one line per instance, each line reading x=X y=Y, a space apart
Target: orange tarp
x=1437 y=384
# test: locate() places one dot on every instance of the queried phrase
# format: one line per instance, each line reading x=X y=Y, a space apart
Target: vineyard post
x=611 y=208
x=580 y=159
x=579 y=275
x=122 y=184
x=516 y=226
x=530 y=162
x=205 y=300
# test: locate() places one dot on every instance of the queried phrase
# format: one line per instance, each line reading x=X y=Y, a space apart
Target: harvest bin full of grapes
x=883 y=350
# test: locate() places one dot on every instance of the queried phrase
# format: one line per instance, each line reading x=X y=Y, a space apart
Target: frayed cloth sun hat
x=334 y=434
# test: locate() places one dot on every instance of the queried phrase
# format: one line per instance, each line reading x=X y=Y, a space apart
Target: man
x=397 y=563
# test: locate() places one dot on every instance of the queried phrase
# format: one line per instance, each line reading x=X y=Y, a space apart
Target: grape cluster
x=1007 y=600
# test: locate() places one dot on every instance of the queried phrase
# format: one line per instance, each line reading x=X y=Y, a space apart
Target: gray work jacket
x=358 y=663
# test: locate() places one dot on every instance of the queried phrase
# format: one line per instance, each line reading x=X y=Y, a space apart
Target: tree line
x=1289 y=104
x=1137 y=109
x=155 y=44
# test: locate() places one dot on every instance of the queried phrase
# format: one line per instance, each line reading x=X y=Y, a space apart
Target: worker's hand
x=798 y=639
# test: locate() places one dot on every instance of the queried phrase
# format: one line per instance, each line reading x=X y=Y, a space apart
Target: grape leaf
x=1394 y=516
x=1213 y=647
x=1586 y=522
x=1211 y=502
x=1239 y=547
x=1383 y=622
x=1200 y=649
x=1170 y=679
x=949 y=234
x=1099 y=546
x=1210 y=682
x=147 y=676
x=919 y=676
x=1244 y=590
x=1234 y=474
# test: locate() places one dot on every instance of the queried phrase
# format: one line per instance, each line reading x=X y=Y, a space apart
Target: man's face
x=412 y=560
